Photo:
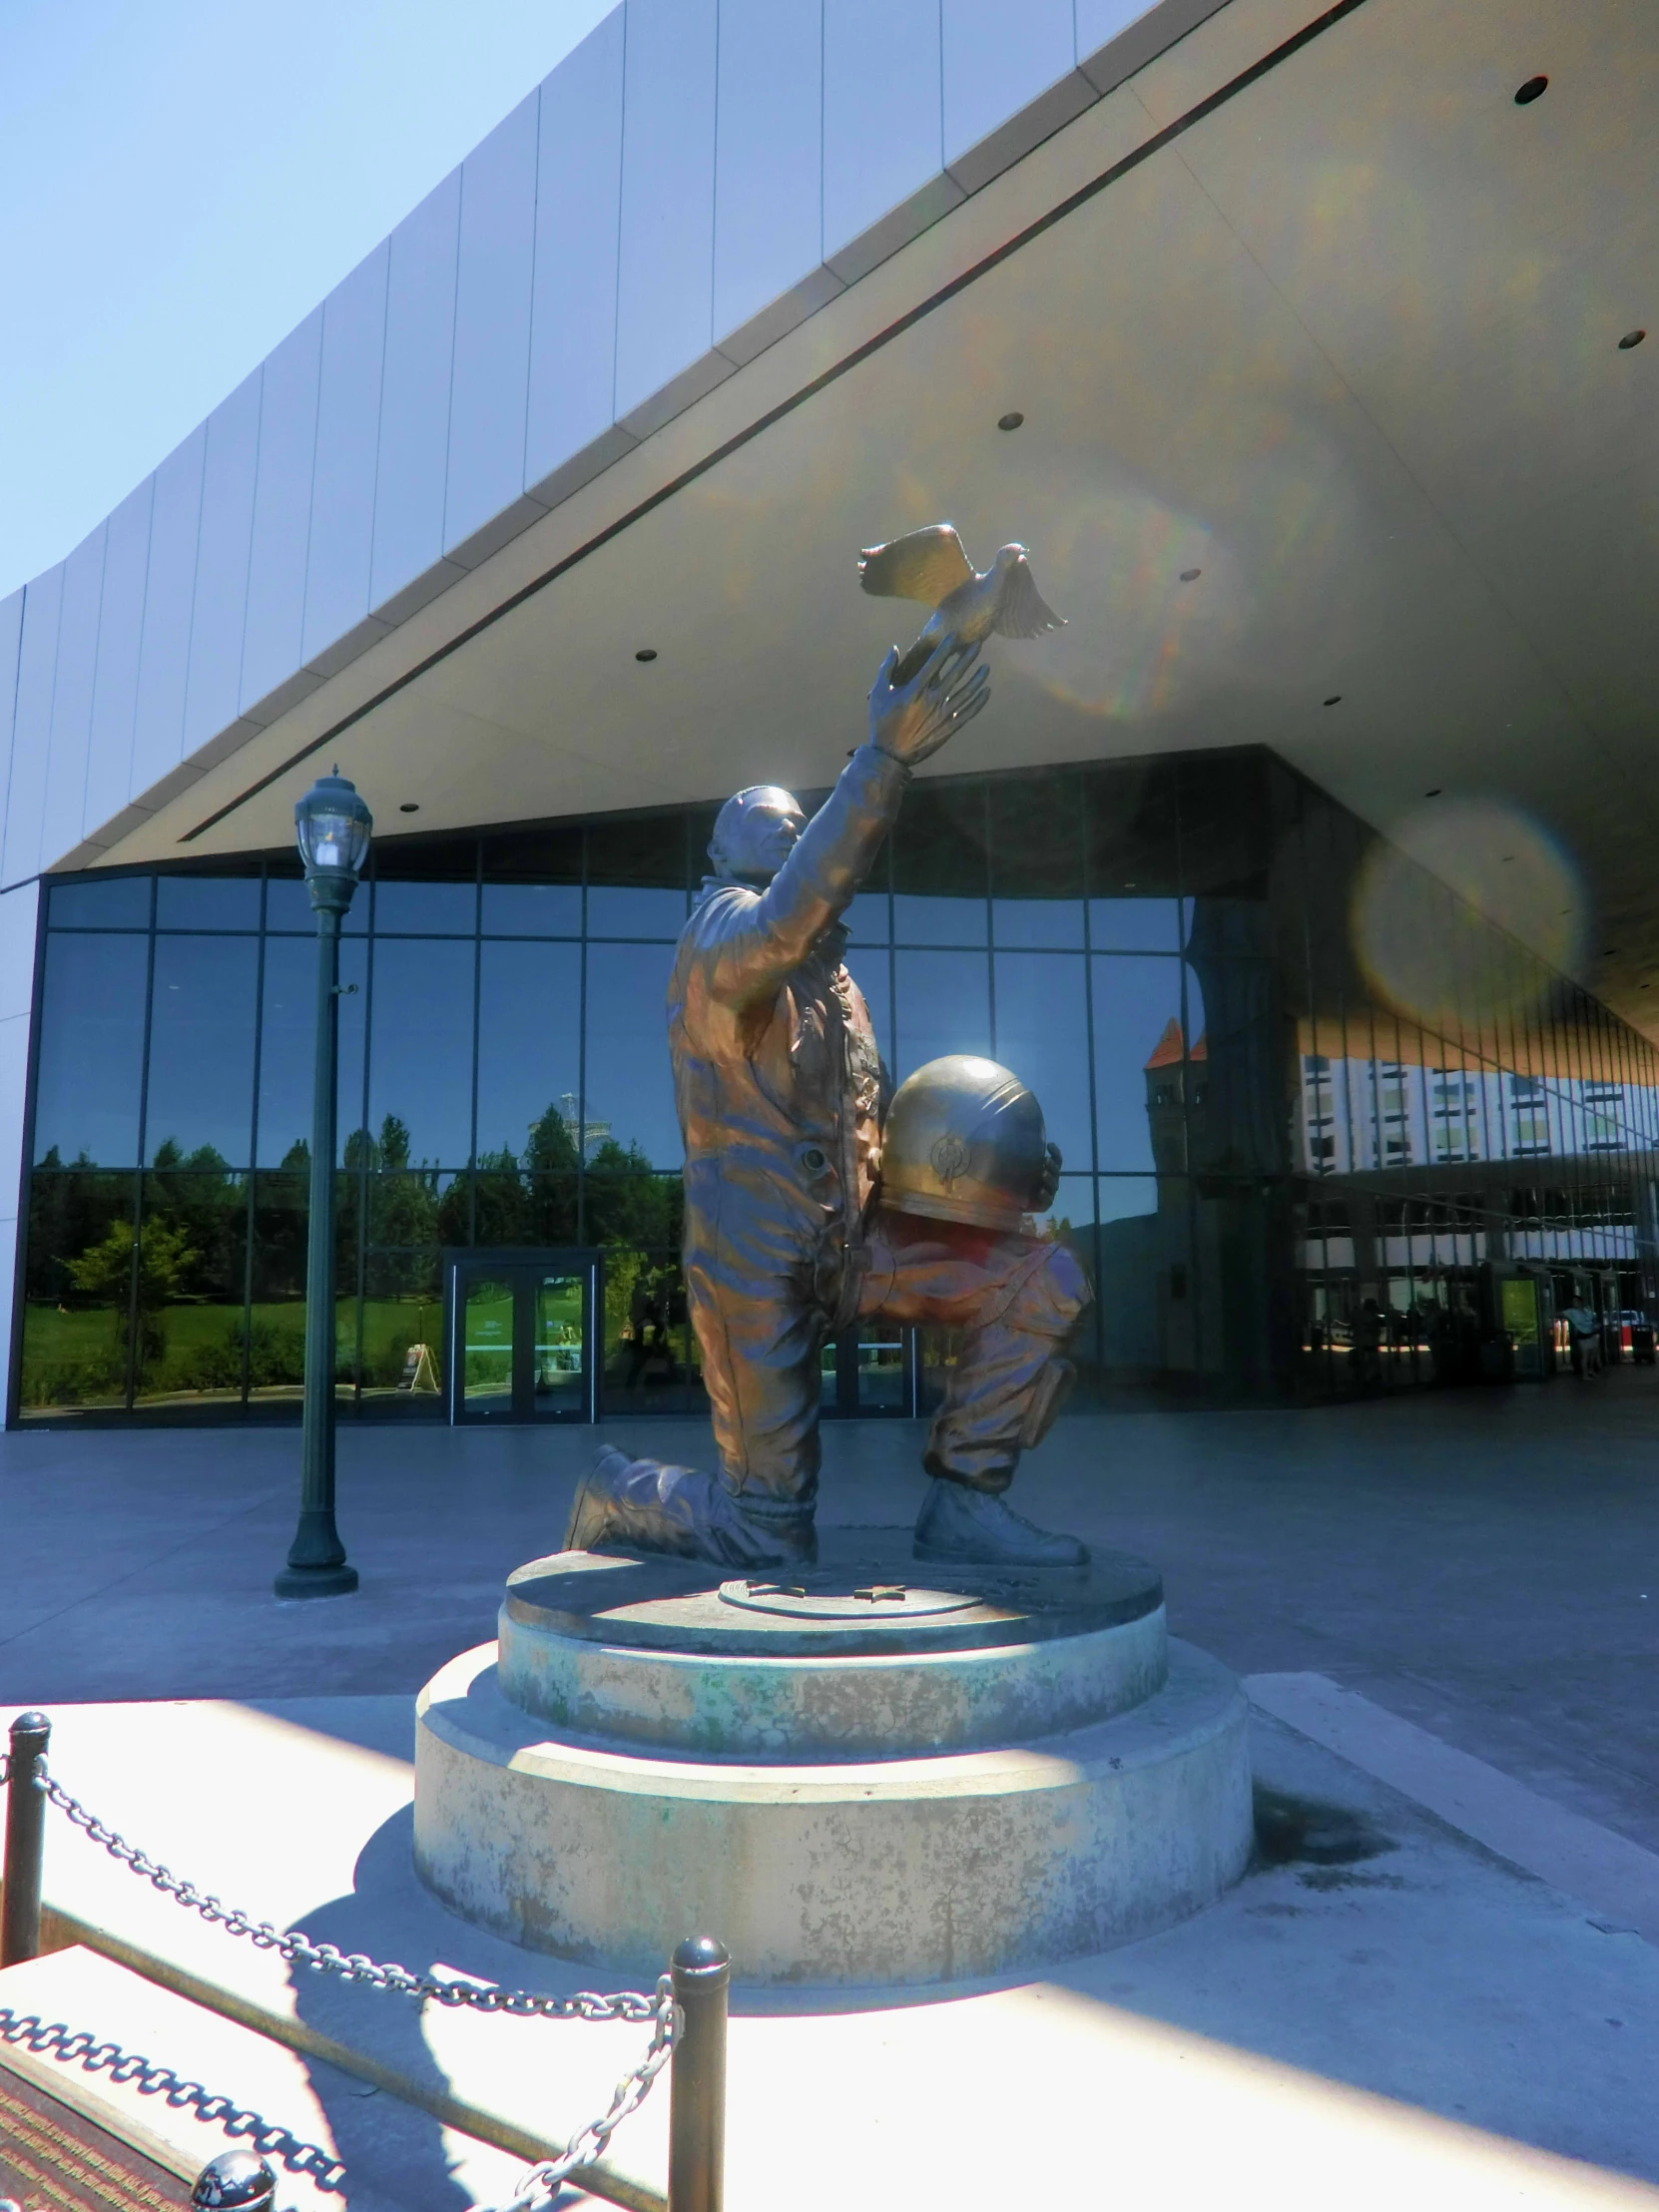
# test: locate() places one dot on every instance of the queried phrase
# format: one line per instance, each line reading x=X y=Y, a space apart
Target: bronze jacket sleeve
x=815 y=884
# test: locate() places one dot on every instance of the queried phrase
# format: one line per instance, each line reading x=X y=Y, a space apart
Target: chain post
x=702 y=1970
x=25 y=1829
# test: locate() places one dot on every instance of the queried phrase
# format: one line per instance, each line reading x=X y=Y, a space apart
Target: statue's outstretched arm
x=765 y=941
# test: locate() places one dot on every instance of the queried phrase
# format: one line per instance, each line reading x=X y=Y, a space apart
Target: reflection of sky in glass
x=920 y=919
x=202 y=1046
x=445 y=910
x=1134 y=1000
x=121 y=903
x=288 y=1040
x=93 y=1020
x=529 y=1037
x=207 y=902
x=1126 y=1197
x=1042 y=1034
x=1038 y=921
x=866 y=920
x=532 y=909
x=634 y=911
x=944 y=1005
x=420 y=1052
x=286 y=1033
x=1134 y=924
x=628 y=1080
x=1074 y=1201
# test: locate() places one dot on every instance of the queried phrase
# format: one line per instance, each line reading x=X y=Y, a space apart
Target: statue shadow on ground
x=410 y=2164
x=391 y=1917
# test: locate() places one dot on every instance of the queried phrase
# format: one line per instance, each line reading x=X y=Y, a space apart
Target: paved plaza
x=1439 y=1979
x=1484 y=1564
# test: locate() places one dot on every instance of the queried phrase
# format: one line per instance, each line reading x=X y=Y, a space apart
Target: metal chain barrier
x=55 y=2039
x=539 y=2185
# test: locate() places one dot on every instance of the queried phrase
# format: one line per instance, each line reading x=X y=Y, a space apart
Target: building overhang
x=1306 y=305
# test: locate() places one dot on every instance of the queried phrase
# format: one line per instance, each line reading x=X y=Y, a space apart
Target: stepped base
x=897 y=1872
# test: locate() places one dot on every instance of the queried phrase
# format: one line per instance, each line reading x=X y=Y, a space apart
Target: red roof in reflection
x=1171 y=1048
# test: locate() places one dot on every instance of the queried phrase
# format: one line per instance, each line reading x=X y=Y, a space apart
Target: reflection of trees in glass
x=104 y=1273
x=626 y=1203
x=644 y=1333
x=74 y=1348
x=529 y=1197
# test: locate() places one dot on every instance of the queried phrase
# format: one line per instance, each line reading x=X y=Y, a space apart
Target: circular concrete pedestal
x=851 y=1776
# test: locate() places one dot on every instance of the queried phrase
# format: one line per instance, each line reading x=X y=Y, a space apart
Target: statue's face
x=754 y=834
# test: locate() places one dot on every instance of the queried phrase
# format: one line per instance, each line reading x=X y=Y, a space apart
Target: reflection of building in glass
x=1362 y=1113
x=588 y=1133
x=1310 y=1173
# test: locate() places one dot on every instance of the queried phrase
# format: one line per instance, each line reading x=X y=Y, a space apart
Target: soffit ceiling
x=1348 y=346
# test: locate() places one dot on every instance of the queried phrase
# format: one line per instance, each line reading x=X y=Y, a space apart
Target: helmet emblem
x=949 y=1157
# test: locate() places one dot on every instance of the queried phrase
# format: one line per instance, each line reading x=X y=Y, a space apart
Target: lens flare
x=1438 y=960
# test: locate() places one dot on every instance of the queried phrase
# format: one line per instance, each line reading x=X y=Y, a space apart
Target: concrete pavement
x=1484 y=1564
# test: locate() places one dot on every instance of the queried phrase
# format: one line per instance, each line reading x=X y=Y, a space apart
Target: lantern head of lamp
x=332 y=827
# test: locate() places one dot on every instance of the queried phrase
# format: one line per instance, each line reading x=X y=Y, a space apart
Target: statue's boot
x=959 y=1526
x=641 y=1505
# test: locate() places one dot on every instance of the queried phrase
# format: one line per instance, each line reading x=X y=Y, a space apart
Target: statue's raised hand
x=913 y=719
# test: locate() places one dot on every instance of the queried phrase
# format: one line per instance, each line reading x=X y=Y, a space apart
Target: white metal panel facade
x=491 y=378
x=212 y=690
x=119 y=636
x=66 y=774
x=169 y=598
x=572 y=390
x=341 y=539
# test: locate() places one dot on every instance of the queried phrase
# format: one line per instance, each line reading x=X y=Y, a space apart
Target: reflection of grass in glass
x=77 y=1358
x=488 y=1339
x=390 y=1325
x=72 y=1359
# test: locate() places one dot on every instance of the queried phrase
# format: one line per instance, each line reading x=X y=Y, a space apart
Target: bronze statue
x=967 y=605
x=779 y=1091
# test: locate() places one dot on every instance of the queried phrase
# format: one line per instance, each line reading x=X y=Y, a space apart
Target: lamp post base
x=317 y=1581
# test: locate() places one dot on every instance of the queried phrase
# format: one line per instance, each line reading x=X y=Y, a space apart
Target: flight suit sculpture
x=778 y=1085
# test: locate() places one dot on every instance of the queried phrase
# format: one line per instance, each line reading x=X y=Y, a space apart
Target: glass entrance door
x=485 y=1366
x=870 y=1370
x=559 y=1319
x=522 y=1337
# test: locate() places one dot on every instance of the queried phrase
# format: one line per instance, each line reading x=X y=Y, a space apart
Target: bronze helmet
x=965 y=1141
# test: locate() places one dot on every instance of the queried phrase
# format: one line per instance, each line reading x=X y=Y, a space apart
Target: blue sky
x=181 y=181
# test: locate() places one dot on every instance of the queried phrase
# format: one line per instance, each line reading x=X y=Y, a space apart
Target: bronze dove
x=930 y=565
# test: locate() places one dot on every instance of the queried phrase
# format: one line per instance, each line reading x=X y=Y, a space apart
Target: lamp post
x=332 y=825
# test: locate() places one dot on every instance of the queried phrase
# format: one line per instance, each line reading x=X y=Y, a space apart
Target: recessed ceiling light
x=1191 y=575
x=1534 y=89
x=646 y=653
x=1012 y=420
x=410 y=806
x=1335 y=700
x=1434 y=793
x=1630 y=338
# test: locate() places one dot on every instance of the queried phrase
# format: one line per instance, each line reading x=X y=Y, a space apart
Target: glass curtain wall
x=1283 y=1180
